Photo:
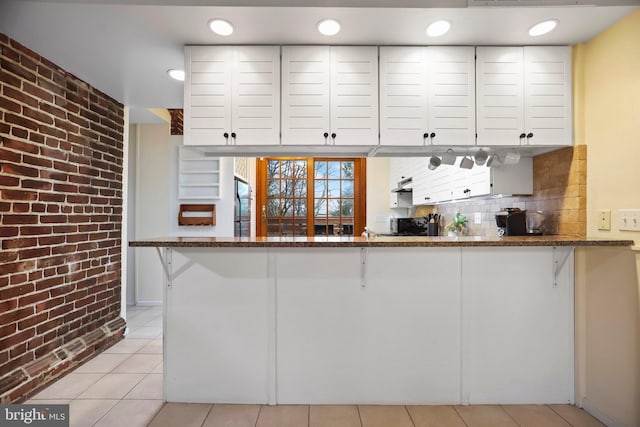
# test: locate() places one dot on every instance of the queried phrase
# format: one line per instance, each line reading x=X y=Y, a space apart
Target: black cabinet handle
x=226 y=135
x=427 y=198
x=529 y=135
x=333 y=135
x=426 y=135
x=522 y=135
x=326 y=134
x=233 y=134
x=433 y=135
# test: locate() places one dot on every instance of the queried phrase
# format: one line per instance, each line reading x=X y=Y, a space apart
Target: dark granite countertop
x=377 y=241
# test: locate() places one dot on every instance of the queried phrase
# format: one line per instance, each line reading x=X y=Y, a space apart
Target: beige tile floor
x=123 y=387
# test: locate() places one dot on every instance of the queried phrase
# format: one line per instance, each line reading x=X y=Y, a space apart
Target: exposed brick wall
x=177 y=118
x=61 y=151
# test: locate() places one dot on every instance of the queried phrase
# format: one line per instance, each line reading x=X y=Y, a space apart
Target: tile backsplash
x=559 y=191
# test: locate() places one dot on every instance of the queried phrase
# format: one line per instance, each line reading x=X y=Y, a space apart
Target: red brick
x=7 y=330
x=20 y=121
x=51 y=240
x=37 y=115
x=8 y=231
x=53 y=219
x=51 y=197
x=52 y=153
x=19 y=207
x=17 y=70
x=37 y=92
x=33 y=298
x=19 y=219
x=37 y=161
x=38 y=207
x=12 y=169
x=32 y=321
x=22 y=146
x=48 y=283
x=9 y=181
x=39 y=185
x=16 y=291
x=66 y=167
x=8 y=305
x=52 y=131
x=19 y=132
x=35 y=230
x=9 y=79
x=34 y=253
x=19 y=243
x=16 y=315
x=19 y=195
x=8 y=105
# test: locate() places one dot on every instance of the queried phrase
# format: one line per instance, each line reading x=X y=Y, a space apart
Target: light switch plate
x=629 y=219
x=477 y=218
x=604 y=219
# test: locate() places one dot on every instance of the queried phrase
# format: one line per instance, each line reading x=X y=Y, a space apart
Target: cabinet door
x=403 y=95
x=354 y=95
x=399 y=168
x=547 y=95
x=305 y=94
x=451 y=102
x=500 y=101
x=207 y=95
x=256 y=95
x=471 y=182
x=394 y=340
x=517 y=334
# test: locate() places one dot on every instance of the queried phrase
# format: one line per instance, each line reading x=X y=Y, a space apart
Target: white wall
x=378 y=210
x=131 y=218
x=155 y=205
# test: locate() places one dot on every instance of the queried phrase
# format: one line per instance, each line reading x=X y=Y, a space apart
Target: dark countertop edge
x=195 y=242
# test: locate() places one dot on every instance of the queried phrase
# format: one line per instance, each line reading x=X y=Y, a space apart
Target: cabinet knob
x=233 y=134
x=426 y=135
x=326 y=134
x=433 y=135
x=427 y=198
x=226 y=135
x=522 y=135
x=333 y=136
x=529 y=135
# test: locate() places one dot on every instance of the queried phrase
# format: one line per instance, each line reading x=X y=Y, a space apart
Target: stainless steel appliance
x=511 y=222
x=242 y=209
x=535 y=223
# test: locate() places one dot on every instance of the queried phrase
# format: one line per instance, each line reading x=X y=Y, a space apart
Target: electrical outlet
x=629 y=219
x=604 y=220
x=477 y=218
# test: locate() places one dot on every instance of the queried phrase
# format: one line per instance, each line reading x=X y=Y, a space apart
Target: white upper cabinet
x=232 y=95
x=524 y=95
x=330 y=95
x=427 y=95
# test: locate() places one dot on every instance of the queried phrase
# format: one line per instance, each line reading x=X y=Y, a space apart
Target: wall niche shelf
x=198 y=175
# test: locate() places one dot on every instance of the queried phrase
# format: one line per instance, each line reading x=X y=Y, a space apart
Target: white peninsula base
x=394 y=325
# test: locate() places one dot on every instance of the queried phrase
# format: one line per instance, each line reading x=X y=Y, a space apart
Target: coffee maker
x=511 y=222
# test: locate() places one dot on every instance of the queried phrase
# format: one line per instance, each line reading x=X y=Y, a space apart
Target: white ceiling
x=125 y=47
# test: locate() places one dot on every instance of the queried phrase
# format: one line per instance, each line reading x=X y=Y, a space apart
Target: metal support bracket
x=166 y=263
x=560 y=257
x=363 y=267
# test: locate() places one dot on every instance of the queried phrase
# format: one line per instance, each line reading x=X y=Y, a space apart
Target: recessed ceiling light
x=438 y=28
x=221 y=27
x=329 y=27
x=543 y=27
x=176 y=74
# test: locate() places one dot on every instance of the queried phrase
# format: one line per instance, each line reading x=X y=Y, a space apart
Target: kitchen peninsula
x=380 y=320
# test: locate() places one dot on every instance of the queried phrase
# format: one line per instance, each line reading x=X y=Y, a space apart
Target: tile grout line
x=204 y=420
x=560 y=415
x=258 y=416
x=459 y=415
x=409 y=413
x=509 y=415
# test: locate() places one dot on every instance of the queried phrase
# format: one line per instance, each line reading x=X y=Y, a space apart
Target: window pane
x=273 y=207
x=287 y=207
x=346 y=208
x=287 y=169
x=347 y=170
x=334 y=169
x=287 y=188
x=300 y=169
x=320 y=207
x=301 y=189
x=273 y=188
x=347 y=188
x=273 y=169
x=300 y=207
x=321 y=169
x=334 y=207
x=334 y=188
x=320 y=188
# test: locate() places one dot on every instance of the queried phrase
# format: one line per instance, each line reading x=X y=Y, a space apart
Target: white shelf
x=198 y=175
